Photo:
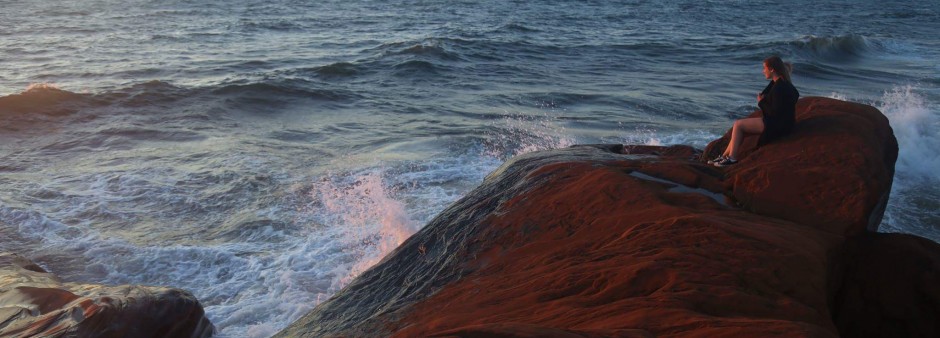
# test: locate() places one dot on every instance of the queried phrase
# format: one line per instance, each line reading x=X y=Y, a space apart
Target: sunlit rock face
x=640 y=241
x=834 y=172
x=34 y=303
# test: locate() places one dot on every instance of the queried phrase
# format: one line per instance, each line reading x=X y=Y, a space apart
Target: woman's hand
x=760 y=96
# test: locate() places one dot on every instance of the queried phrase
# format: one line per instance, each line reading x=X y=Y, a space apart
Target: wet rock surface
x=35 y=303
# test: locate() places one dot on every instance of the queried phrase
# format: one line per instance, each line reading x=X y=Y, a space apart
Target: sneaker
x=716 y=159
x=726 y=162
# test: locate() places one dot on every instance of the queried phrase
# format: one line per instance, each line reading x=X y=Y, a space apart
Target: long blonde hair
x=779 y=67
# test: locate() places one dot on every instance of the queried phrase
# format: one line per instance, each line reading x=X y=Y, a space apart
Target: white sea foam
x=235 y=284
x=912 y=207
x=250 y=286
x=41 y=86
x=838 y=96
x=915 y=127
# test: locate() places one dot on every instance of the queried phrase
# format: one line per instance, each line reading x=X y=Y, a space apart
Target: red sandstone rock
x=833 y=172
x=34 y=303
x=515 y=330
x=593 y=247
x=637 y=241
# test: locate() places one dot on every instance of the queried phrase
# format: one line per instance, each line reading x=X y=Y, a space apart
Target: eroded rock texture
x=639 y=241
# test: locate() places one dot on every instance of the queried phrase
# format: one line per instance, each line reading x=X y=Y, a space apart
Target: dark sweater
x=778 y=109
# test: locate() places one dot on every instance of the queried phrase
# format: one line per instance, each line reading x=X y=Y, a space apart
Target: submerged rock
x=34 y=303
x=640 y=241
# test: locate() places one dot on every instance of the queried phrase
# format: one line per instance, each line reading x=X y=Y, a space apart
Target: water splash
x=915 y=127
x=517 y=134
x=914 y=206
x=838 y=96
x=650 y=136
x=364 y=215
x=40 y=86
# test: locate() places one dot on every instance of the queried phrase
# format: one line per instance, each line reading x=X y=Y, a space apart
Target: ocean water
x=262 y=154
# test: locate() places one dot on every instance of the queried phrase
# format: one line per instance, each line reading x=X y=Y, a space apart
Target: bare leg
x=753 y=125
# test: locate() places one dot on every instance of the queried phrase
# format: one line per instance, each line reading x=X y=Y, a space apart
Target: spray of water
x=838 y=96
x=518 y=134
x=913 y=207
x=362 y=210
x=915 y=127
x=41 y=86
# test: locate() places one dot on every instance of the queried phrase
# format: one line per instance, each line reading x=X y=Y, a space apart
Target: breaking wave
x=42 y=98
x=837 y=47
x=913 y=206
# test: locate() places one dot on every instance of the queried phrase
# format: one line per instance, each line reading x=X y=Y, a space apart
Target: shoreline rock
x=35 y=303
x=614 y=241
x=795 y=173
x=890 y=288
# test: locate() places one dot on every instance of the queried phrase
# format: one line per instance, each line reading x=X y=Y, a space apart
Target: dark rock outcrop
x=34 y=303
x=639 y=241
x=891 y=287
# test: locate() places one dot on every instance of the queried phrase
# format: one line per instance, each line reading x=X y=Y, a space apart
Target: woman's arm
x=763 y=95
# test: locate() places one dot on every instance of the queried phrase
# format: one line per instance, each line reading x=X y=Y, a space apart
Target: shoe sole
x=725 y=165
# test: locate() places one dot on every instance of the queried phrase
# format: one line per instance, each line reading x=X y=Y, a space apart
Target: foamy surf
x=914 y=206
x=254 y=287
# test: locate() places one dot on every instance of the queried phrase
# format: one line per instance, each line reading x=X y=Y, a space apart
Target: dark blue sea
x=263 y=153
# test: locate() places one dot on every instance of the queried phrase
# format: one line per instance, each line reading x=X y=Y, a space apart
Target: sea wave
x=822 y=71
x=517 y=28
x=274 y=91
x=837 y=48
x=42 y=98
x=446 y=50
x=269 y=25
x=415 y=67
x=336 y=69
x=434 y=50
x=146 y=94
x=116 y=139
x=812 y=48
x=441 y=49
x=46 y=102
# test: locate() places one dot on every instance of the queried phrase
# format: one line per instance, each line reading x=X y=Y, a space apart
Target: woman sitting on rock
x=778 y=109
